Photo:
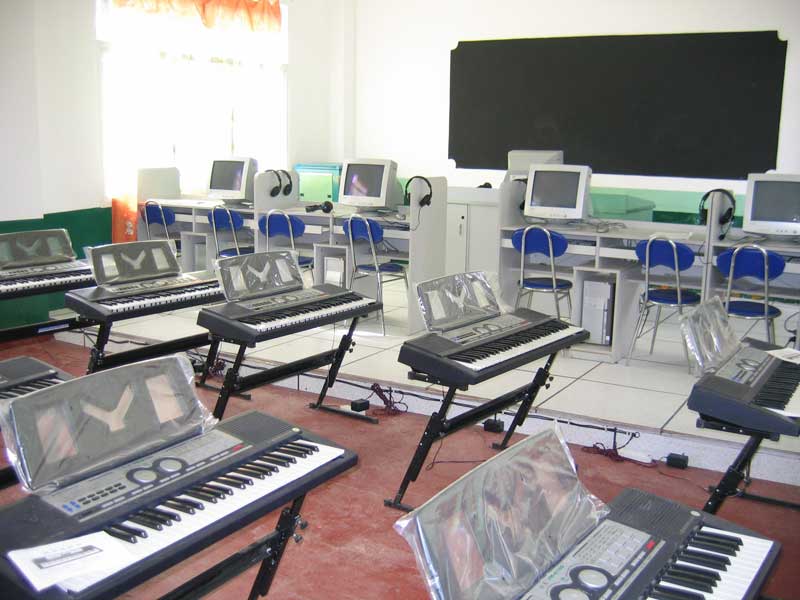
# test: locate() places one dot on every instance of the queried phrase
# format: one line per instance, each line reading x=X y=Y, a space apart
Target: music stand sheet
x=491 y=534
x=709 y=337
x=133 y=261
x=30 y=248
x=455 y=300
x=65 y=433
x=258 y=275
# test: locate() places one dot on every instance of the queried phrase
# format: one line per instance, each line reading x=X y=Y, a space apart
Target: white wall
x=50 y=109
x=402 y=65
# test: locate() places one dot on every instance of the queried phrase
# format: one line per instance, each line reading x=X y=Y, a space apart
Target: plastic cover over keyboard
x=133 y=261
x=709 y=337
x=30 y=248
x=64 y=433
x=494 y=532
x=257 y=275
x=455 y=300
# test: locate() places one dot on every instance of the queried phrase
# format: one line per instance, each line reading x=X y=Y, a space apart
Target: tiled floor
x=648 y=394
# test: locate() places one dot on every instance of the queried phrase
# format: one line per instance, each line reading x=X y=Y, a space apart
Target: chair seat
x=546 y=283
x=228 y=252
x=387 y=267
x=747 y=308
x=670 y=296
x=305 y=261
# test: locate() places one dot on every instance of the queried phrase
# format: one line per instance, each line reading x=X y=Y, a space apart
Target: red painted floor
x=350 y=550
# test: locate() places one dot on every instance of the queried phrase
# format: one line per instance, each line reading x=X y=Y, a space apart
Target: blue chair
x=278 y=223
x=538 y=240
x=154 y=213
x=754 y=262
x=222 y=218
x=360 y=229
x=659 y=251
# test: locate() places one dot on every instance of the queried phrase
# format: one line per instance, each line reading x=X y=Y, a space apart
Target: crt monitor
x=231 y=179
x=369 y=183
x=557 y=191
x=772 y=204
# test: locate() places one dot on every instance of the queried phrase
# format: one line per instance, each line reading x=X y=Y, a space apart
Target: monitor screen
x=777 y=201
x=363 y=180
x=227 y=175
x=555 y=189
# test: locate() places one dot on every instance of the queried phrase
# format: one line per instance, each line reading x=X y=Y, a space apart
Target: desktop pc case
x=597 y=316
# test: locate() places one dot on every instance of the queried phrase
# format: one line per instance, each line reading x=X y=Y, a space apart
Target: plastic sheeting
x=454 y=300
x=28 y=248
x=494 y=532
x=257 y=275
x=709 y=337
x=65 y=433
x=133 y=261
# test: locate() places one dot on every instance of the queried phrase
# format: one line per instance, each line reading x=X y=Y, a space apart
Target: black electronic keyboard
x=751 y=389
x=43 y=279
x=267 y=317
x=23 y=375
x=478 y=351
x=167 y=506
x=655 y=549
x=111 y=303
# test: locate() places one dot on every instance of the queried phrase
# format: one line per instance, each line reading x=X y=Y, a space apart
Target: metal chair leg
x=558 y=309
x=770 y=330
x=643 y=311
x=569 y=305
x=655 y=327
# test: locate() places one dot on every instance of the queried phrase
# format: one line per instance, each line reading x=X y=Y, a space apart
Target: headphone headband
x=426 y=199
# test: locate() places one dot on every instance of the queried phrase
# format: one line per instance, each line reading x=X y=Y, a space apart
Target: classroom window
x=177 y=94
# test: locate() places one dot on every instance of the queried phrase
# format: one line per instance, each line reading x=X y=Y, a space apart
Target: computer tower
x=597 y=316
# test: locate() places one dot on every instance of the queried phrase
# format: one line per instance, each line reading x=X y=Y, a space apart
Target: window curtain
x=257 y=15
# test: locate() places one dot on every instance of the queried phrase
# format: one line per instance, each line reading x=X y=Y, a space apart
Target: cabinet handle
x=460 y=228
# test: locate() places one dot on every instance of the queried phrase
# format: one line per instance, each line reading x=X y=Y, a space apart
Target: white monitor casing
x=579 y=206
x=389 y=194
x=244 y=191
x=751 y=224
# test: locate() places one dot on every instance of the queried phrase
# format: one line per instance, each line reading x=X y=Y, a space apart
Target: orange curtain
x=258 y=15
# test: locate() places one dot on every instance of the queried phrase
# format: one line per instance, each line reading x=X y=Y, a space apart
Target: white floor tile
x=301 y=347
x=564 y=365
x=641 y=408
x=382 y=366
x=163 y=327
x=644 y=375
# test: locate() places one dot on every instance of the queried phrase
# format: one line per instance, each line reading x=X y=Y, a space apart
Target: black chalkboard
x=683 y=105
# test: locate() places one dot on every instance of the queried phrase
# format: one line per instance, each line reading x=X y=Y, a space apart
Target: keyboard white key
x=212 y=512
x=505 y=355
x=311 y=316
x=44 y=282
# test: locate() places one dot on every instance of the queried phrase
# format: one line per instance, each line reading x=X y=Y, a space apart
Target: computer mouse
x=400 y=217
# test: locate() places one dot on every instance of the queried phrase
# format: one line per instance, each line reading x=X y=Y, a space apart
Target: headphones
x=275 y=190
x=325 y=207
x=726 y=215
x=287 y=189
x=426 y=199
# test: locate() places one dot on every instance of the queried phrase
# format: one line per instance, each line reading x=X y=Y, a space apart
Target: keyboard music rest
x=268 y=317
x=19 y=376
x=236 y=444
x=753 y=394
x=113 y=303
x=494 y=345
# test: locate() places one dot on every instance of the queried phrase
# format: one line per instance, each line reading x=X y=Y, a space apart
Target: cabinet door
x=456 y=253
x=483 y=245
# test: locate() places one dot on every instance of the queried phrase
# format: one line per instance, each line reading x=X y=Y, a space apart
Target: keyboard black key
x=120 y=534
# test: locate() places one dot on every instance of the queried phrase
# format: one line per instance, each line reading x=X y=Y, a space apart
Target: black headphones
x=725 y=217
x=325 y=207
x=287 y=189
x=426 y=199
x=275 y=190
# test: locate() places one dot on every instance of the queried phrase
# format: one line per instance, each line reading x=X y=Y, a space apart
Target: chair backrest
x=153 y=212
x=277 y=222
x=358 y=228
x=660 y=251
x=221 y=217
x=750 y=260
x=537 y=240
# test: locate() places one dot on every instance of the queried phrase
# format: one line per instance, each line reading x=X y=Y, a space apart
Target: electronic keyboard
x=751 y=389
x=167 y=506
x=652 y=548
x=478 y=351
x=110 y=303
x=267 y=317
x=43 y=279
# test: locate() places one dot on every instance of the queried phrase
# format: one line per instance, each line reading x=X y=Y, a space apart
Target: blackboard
x=683 y=105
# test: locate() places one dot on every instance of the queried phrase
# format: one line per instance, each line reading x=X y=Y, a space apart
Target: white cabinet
x=456 y=251
x=483 y=238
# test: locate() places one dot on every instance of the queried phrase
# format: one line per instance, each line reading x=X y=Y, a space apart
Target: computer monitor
x=772 y=204
x=231 y=179
x=369 y=184
x=557 y=192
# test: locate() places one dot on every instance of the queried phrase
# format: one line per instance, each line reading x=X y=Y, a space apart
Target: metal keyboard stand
x=269 y=550
x=740 y=468
x=439 y=426
x=235 y=384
